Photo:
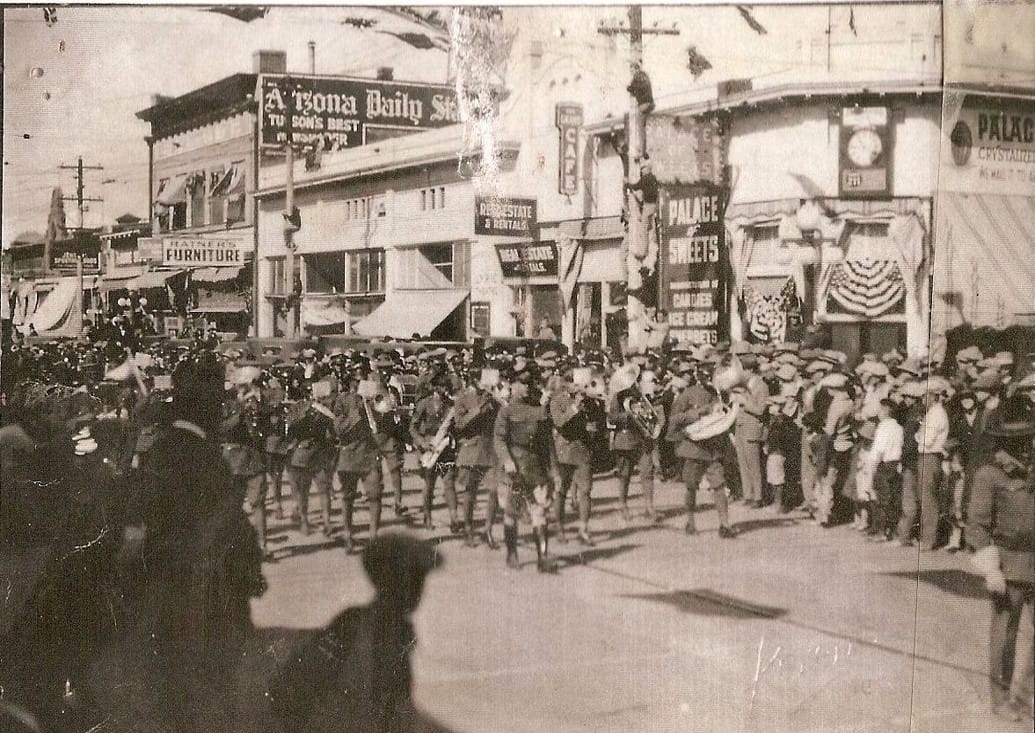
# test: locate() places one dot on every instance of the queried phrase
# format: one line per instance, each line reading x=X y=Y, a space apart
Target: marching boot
x=302 y=507
x=325 y=513
x=470 y=539
x=347 y=512
x=510 y=540
x=584 y=537
x=278 y=496
x=544 y=563
x=559 y=519
x=623 y=500
x=489 y=539
x=864 y=517
x=375 y=516
x=726 y=532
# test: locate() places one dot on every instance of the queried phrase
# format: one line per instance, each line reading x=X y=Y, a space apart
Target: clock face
x=864 y=147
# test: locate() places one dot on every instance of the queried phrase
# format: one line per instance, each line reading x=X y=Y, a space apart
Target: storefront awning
x=984 y=266
x=175 y=192
x=152 y=280
x=215 y=274
x=217 y=302
x=116 y=282
x=604 y=227
x=408 y=312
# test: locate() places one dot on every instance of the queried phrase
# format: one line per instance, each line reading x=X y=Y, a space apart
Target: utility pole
x=635 y=151
x=80 y=187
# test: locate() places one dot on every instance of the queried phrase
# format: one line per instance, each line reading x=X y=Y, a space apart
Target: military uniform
x=358 y=459
x=428 y=416
x=243 y=442
x=474 y=417
x=576 y=421
x=701 y=459
x=312 y=461
x=1002 y=514
x=391 y=438
x=633 y=448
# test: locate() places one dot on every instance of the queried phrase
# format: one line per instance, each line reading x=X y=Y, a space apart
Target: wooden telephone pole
x=635 y=151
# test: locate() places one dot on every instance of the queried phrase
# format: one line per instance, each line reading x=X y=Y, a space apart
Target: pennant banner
x=866 y=287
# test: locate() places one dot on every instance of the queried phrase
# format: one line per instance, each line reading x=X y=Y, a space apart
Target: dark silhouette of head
x=397 y=565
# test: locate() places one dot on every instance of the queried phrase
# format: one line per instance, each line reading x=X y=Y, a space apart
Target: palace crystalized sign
x=507 y=217
x=694 y=262
x=336 y=113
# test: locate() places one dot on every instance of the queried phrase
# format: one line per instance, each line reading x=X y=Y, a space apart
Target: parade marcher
x=313 y=454
x=355 y=674
x=244 y=435
x=391 y=438
x=201 y=561
x=474 y=414
x=703 y=458
x=356 y=426
x=1001 y=528
x=522 y=442
x=639 y=423
x=431 y=431
x=577 y=417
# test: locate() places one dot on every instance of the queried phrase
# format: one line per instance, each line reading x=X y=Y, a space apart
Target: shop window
x=366 y=271
x=178 y=216
x=325 y=273
x=221 y=183
x=481 y=319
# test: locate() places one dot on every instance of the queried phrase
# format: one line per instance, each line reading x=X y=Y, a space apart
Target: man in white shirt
x=930 y=441
x=886 y=455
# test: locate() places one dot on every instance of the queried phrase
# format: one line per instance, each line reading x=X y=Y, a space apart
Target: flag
x=696 y=62
x=50 y=16
x=243 y=13
x=851 y=21
x=757 y=27
x=418 y=40
x=867 y=287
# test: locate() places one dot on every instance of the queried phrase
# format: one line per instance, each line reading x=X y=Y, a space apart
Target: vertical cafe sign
x=694 y=262
x=569 y=121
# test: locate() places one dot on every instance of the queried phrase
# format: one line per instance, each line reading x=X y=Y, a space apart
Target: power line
x=80 y=186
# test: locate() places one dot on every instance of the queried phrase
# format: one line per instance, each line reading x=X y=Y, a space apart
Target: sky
x=73 y=87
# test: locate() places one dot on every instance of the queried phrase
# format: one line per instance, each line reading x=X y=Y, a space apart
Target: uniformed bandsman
x=474 y=415
x=431 y=416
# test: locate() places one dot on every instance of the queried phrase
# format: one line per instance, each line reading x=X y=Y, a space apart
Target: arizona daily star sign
x=337 y=113
x=694 y=262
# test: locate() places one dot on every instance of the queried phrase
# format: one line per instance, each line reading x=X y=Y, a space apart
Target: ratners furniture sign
x=335 y=113
x=183 y=252
x=508 y=217
x=694 y=262
x=529 y=259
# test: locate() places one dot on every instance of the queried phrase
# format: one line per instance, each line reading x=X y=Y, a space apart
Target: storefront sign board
x=65 y=256
x=196 y=252
x=684 y=150
x=694 y=262
x=569 y=121
x=528 y=259
x=336 y=113
x=507 y=217
x=988 y=147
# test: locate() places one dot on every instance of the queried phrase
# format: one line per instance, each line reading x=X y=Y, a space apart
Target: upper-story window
x=357 y=209
x=433 y=198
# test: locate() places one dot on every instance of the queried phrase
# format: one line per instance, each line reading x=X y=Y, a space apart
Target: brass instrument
x=439 y=443
x=646 y=417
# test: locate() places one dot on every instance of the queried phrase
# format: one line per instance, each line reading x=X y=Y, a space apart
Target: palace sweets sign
x=336 y=113
x=694 y=262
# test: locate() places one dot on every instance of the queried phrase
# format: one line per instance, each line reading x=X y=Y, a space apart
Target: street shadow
x=956 y=582
x=753 y=525
x=592 y=554
x=706 y=602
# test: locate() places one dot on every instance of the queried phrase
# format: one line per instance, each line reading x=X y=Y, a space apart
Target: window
x=325 y=273
x=432 y=198
x=366 y=271
x=481 y=319
x=441 y=258
x=196 y=187
x=356 y=209
x=277 y=265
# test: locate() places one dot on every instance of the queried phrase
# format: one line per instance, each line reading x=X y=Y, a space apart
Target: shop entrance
x=860 y=337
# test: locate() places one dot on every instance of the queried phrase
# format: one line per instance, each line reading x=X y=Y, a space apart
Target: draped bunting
x=570 y=253
x=866 y=287
x=767 y=314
